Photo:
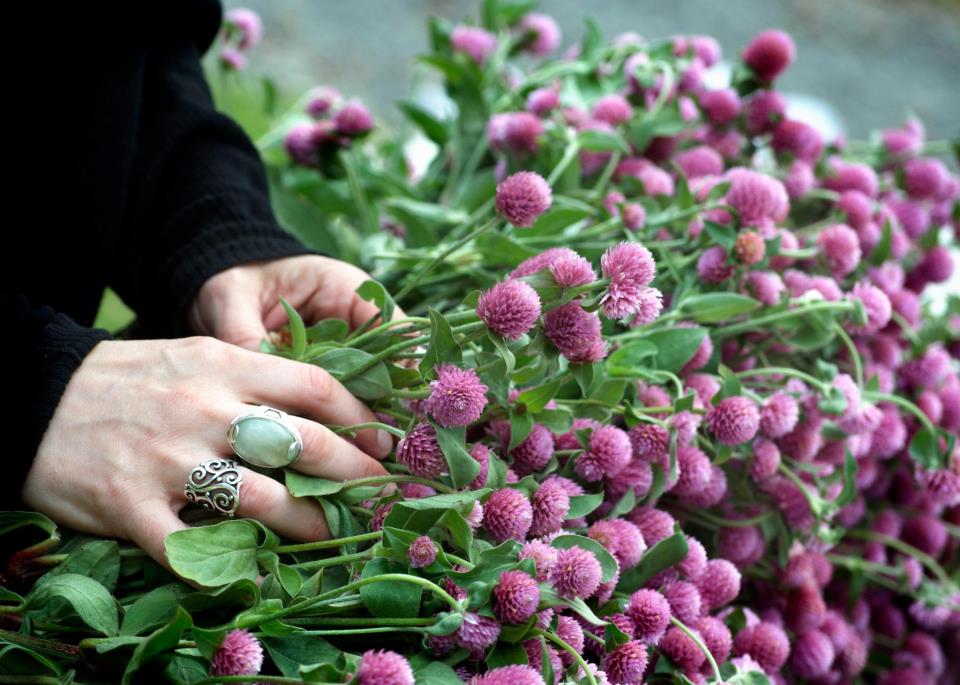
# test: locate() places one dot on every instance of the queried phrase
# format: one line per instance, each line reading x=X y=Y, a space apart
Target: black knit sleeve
x=199 y=200
x=43 y=349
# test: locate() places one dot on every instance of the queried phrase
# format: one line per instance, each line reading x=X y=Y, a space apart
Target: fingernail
x=385 y=441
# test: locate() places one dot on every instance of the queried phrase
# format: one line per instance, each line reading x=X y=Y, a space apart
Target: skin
x=138 y=416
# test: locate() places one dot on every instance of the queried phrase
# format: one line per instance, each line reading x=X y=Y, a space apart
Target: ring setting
x=215 y=485
x=265 y=437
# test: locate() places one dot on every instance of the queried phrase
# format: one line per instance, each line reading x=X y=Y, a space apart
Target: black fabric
x=130 y=179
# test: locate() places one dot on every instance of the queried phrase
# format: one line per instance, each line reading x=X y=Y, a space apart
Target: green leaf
x=607 y=563
x=389 y=598
x=96 y=559
x=675 y=346
x=434 y=129
x=328 y=330
x=372 y=384
x=596 y=140
x=373 y=291
x=443 y=345
x=881 y=251
x=625 y=360
x=520 y=427
x=925 y=449
x=536 y=399
x=90 y=600
x=624 y=505
x=14 y=520
x=724 y=236
x=153 y=609
x=463 y=467
x=663 y=555
x=300 y=485
x=427 y=211
x=436 y=673
x=556 y=221
x=614 y=637
x=162 y=642
x=581 y=505
x=298 y=331
x=290 y=652
x=215 y=555
x=716 y=307
x=731 y=385
x=849 y=491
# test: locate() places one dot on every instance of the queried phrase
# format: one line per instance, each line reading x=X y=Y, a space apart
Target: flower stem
x=852 y=350
x=703 y=648
x=754 y=324
x=783 y=371
x=317 y=564
x=328 y=544
x=573 y=147
x=903 y=404
x=377 y=480
x=907 y=549
x=393 y=430
x=559 y=642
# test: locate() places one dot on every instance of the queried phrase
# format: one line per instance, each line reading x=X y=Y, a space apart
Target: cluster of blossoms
x=242 y=30
x=334 y=124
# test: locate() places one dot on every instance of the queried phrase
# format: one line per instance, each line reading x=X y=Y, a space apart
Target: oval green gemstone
x=263 y=442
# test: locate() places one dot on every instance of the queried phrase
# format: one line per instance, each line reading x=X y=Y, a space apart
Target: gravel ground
x=872 y=60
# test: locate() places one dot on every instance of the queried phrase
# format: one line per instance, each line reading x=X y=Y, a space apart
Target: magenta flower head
x=720 y=106
x=523 y=197
x=420 y=453
x=240 y=653
x=766 y=286
x=507 y=514
x=840 y=246
x=543 y=31
x=779 y=415
x=613 y=109
x=477 y=633
x=770 y=53
x=509 y=675
x=630 y=268
x=648 y=441
x=700 y=161
x=720 y=583
x=609 y=452
x=543 y=100
x=716 y=636
x=353 y=119
x=247 y=24
x=457 y=397
x=749 y=248
x=763 y=110
x=712 y=265
x=481 y=454
x=766 y=459
x=572 y=329
x=544 y=558
x=570 y=271
x=515 y=597
x=734 y=421
x=634 y=216
x=758 y=198
x=925 y=178
x=383 y=667
x=694 y=471
x=322 y=101
x=812 y=655
x=577 y=573
x=936 y=266
x=518 y=132
x=650 y=612
x=232 y=59
x=534 y=452
x=681 y=650
x=626 y=664
x=877 y=305
x=421 y=552
x=654 y=524
x=544 y=260
x=551 y=504
x=474 y=42
x=798 y=139
x=684 y=599
x=510 y=308
x=649 y=307
x=800 y=179
x=766 y=642
x=570 y=632
x=300 y=143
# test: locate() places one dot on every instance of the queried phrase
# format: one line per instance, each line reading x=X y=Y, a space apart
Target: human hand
x=138 y=416
x=241 y=304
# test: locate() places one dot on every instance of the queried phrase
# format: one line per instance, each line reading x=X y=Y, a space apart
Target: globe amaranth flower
x=699 y=161
x=383 y=667
x=509 y=309
x=925 y=178
x=649 y=307
x=515 y=597
x=475 y=42
x=577 y=573
x=811 y=655
x=621 y=538
x=770 y=53
x=634 y=216
x=766 y=460
x=322 y=101
x=684 y=599
x=523 y=197
x=571 y=328
x=779 y=415
x=608 y=453
x=630 y=268
x=626 y=664
x=654 y=524
x=509 y=675
x=716 y=636
x=734 y=420
x=840 y=246
x=681 y=650
x=571 y=271
x=240 y=653
x=544 y=558
x=534 y=648
x=507 y=514
x=856 y=177
x=765 y=286
x=798 y=139
x=534 y=452
x=551 y=504
x=420 y=452
x=694 y=563
x=694 y=471
x=421 y=552
x=476 y=633
x=758 y=199
x=457 y=397
x=569 y=630
x=766 y=642
x=613 y=109
x=712 y=266
x=649 y=611
x=353 y=119
x=877 y=306
x=720 y=583
x=544 y=100
x=539 y=262
x=515 y=132
x=936 y=266
x=544 y=33
x=247 y=24
x=648 y=441
x=720 y=106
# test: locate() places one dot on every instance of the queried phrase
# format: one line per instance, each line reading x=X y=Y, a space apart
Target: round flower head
x=942 y=486
x=510 y=308
x=851 y=176
x=322 y=101
x=577 y=573
x=694 y=471
x=522 y=133
x=536 y=653
x=766 y=642
x=694 y=563
x=247 y=24
x=621 y=538
x=523 y=197
x=654 y=524
x=353 y=119
x=551 y=504
x=477 y=633
x=457 y=397
x=480 y=453
x=570 y=271
x=914 y=217
x=509 y=675
x=420 y=453
x=812 y=655
x=766 y=459
x=800 y=179
x=655 y=180
x=700 y=161
x=534 y=452
x=927 y=533
x=421 y=552
x=544 y=558
x=936 y=265
x=634 y=216
x=571 y=328
x=649 y=307
x=609 y=452
x=877 y=305
x=382 y=667
x=712 y=265
x=758 y=198
x=626 y=664
x=649 y=611
x=742 y=545
x=749 y=248
x=475 y=516
x=720 y=583
x=544 y=260
x=240 y=653
x=681 y=650
x=720 y=106
x=684 y=599
x=857 y=207
x=700 y=357
x=613 y=109
x=841 y=247
x=416 y=491
x=543 y=31
x=570 y=631
x=734 y=421
x=507 y=514
x=763 y=110
x=474 y=42
x=925 y=178
x=630 y=268
x=542 y=101
x=648 y=441
x=770 y=53
x=797 y=139
x=765 y=286
x=515 y=597
x=716 y=636
x=300 y=144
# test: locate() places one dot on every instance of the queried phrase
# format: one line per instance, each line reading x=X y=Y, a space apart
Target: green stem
x=393 y=430
x=573 y=147
x=317 y=564
x=559 y=642
x=852 y=350
x=377 y=480
x=359 y=196
x=363 y=621
x=754 y=324
x=362 y=631
x=363 y=337
x=924 y=558
x=727 y=523
x=903 y=404
x=784 y=371
x=703 y=648
x=51 y=647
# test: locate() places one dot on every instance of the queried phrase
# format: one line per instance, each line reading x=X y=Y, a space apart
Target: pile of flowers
x=670 y=403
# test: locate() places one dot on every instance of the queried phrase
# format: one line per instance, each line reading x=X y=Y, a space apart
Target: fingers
x=308 y=391
x=328 y=455
x=240 y=322
x=149 y=526
x=269 y=502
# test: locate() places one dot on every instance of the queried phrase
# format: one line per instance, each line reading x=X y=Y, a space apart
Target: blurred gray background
x=872 y=61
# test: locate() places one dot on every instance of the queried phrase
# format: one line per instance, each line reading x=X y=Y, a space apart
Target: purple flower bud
x=515 y=597
x=523 y=197
x=457 y=397
x=507 y=515
x=240 y=653
x=420 y=453
x=509 y=309
x=379 y=666
x=577 y=573
x=421 y=552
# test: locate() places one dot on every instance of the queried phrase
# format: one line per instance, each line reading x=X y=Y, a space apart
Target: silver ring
x=265 y=437
x=215 y=486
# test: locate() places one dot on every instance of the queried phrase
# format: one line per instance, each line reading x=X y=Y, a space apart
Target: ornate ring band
x=265 y=437
x=215 y=486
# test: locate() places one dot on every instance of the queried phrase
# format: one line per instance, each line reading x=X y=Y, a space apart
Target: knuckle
x=319 y=380
x=316 y=442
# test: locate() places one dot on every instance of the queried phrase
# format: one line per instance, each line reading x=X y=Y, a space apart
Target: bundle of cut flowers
x=670 y=402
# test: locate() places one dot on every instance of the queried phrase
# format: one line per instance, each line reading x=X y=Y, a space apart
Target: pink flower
x=706 y=48
x=633 y=215
x=515 y=597
x=473 y=41
x=936 y=266
x=247 y=23
x=382 y=667
x=846 y=176
x=544 y=32
x=240 y=653
x=700 y=161
x=857 y=207
x=421 y=552
x=544 y=558
x=924 y=179
x=734 y=421
x=720 y=583
x=694 y=471
x=654 y=524
x=509 y=675
x=749 y=248
x=353 y=119
x=507 y=515
x=766 y=642
x=510 y=308
x=766 y=459
x=613 y=109
x=766 y=286
x=301 y=145
x=570 y=632
x=420 y=453
x=796 y=138
x=763 y=110
x=694 y=563
x=518 y=132
x=626 y=664
x=812 y=655
x=630 y=268
x=481 y=453
x=577 y=573
x=477 y=633
x=742 y=545
x=544 y=260
x=543 y=100
x=840 y=246
x=684 y=599
x=800 y=179
x=649 y=307
x=534 y=452
x=523 y=197
x=457 y=397
x=571 y=328
x=877 y=305
x=621 y=538
x=757 y=198
x=770 y=53
x=716 y=636
x=609 y=452
x=322 y=100
x=720 y=106
x=648 y=441
x=571 y=271
x=650 y=613
x=551 y=504
x=681 y=650
x=712 y=265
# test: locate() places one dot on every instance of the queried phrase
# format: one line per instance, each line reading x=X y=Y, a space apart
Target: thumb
x=239 y=321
